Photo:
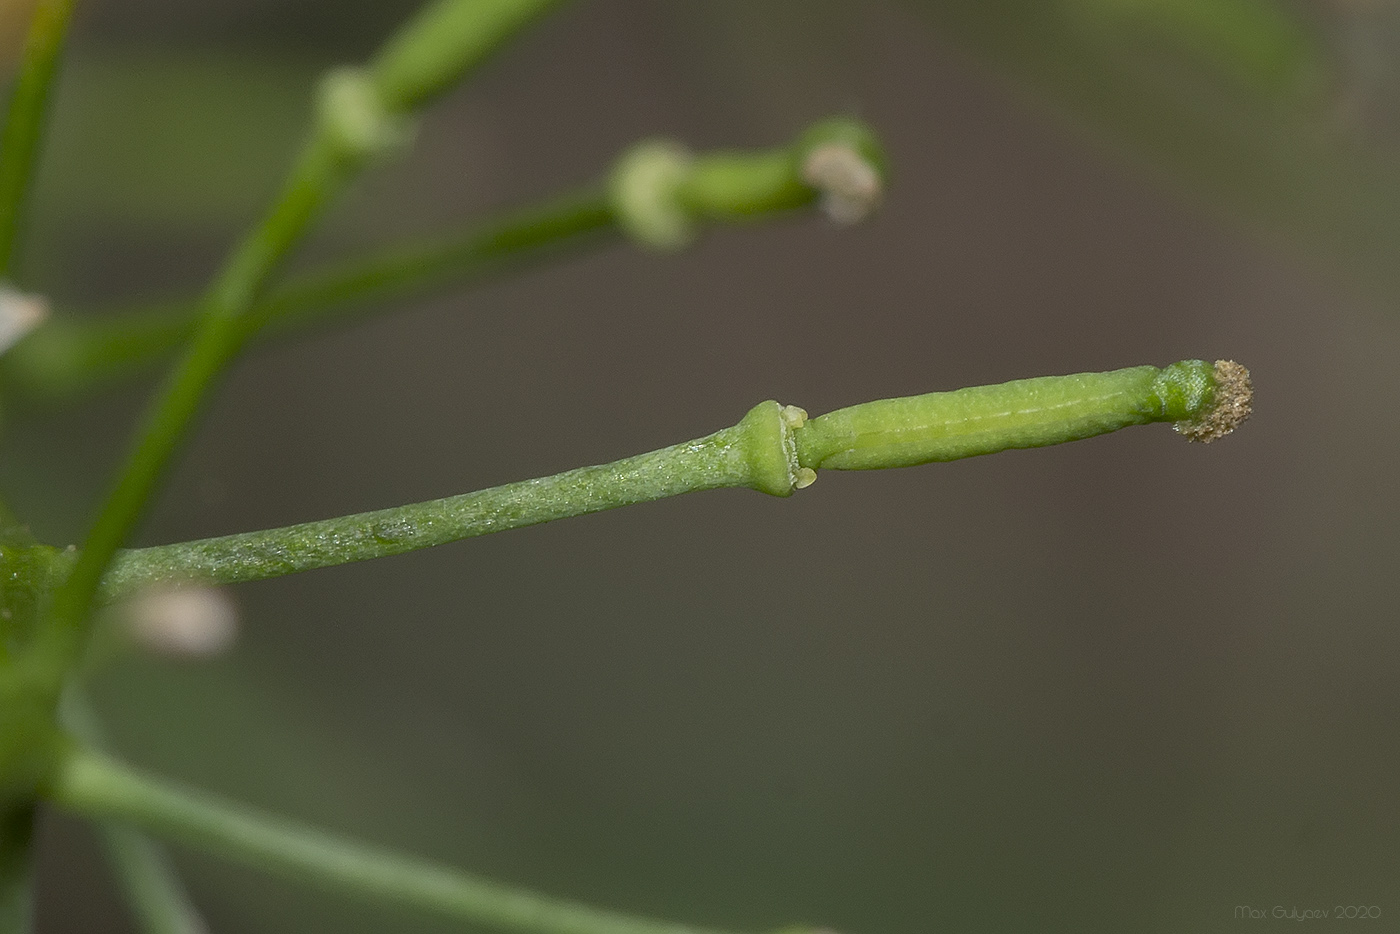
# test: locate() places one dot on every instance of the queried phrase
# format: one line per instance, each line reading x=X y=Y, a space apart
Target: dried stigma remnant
x=661 y=194
x=1228 y=408
x=20 y=313
x=850 y=185
x=191 y=621
x=774 y=449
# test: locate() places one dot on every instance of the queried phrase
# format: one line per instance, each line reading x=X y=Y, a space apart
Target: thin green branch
x=24 y=124
x=358 y=118
x=96 y=787
x=16 y=868
x=318 y=173
x=756 y=453
x=10 y=526
x=432 y=51
x=154 y=893
x=67 y=355
x=158 y=902
x=775 y=449
x=529 y=234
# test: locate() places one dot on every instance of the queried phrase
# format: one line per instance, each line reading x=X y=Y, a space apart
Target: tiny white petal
x=186 y=622
x=19 y=314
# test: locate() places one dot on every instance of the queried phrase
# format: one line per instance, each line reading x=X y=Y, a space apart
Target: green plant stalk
x=353 y=126
x=157 y=901
x=359 y=117
x=24 y=124
x=9 y=522
x=662 y=193
x=319 y=172
x=66 y=355
x=16 y=868
x=28 y=742
x=155 y=895
x=756 y=453
x=97 y=787
x=775 y=449
x=432 y=51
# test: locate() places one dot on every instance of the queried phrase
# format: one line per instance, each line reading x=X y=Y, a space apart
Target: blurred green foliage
x=1252 y=42
x=160 y=138
x=1281 y=112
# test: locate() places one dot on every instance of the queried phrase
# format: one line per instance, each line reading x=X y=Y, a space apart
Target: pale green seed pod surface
x=1026 y=413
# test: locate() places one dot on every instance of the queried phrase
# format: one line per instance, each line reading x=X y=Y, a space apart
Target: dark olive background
x=1124 y=684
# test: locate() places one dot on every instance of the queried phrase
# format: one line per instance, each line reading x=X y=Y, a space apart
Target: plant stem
x=16 y=899
x=775 y=449
x=66 y=355
x=528 y=234
x=432 y=51
x=756 y=453
x=24 y=124
x=358 y=118
x=97 y=787
x=318 y=173
x=10 y=527
x=155 y=895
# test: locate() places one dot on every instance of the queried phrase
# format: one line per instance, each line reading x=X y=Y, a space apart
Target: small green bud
x=661 y=194
x=645 y=189
x=354 y=120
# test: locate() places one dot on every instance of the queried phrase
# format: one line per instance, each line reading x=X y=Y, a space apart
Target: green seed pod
x=662 y=194
x=1205 y=401
x=774 y=449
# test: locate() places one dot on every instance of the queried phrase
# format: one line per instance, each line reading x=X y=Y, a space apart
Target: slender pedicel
x=757 y=453
x=775 y=449
x=24 y=120
x=657 y=193
x=360 y=114
x=662 y=193
x=93 y=785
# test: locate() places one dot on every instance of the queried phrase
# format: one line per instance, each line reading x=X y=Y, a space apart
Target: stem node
x=645 y=194
x=355 y=122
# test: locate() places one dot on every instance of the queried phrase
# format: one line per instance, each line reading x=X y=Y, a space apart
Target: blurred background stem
x=24 y=123
x=16 y=869
x=69 y=354
x=154 y=894
x=360 y=114
x=19 y=144
x=97 y=787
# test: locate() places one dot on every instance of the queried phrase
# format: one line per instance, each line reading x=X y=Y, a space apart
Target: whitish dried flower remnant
x=19 y=314
x=185 y=622
x=850 y=185
x=1227 y=410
